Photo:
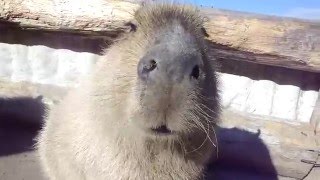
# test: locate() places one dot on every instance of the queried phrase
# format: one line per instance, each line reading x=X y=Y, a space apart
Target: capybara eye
x=132 y=26
x=195 y=72
x=204 y=31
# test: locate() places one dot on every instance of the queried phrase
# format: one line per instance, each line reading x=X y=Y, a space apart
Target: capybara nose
x=161 y=64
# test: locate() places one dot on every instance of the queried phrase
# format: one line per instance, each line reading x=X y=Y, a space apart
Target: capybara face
x=171 y=85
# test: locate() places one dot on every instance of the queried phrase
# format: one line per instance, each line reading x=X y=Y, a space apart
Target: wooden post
x=315 y=118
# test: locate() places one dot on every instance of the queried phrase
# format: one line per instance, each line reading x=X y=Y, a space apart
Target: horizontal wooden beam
x=274 y=41
x=101 y=16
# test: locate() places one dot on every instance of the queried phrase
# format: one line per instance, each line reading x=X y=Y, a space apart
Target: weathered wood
x=266 y=146
x=284 y=42
x=104 y=16
x=276 y=41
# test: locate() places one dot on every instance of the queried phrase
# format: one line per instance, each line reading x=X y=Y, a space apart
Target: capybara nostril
x=145 y=67
x=149 y=66
x=195 y=72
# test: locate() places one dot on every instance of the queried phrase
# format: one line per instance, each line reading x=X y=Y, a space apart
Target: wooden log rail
x=275 y=41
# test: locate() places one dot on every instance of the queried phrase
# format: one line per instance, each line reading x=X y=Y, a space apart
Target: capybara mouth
x=162 y=130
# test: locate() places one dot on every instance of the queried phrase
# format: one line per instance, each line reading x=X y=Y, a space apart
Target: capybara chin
x=146 y=112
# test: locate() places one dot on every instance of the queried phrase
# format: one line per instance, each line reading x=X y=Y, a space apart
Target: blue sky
x=307 y=9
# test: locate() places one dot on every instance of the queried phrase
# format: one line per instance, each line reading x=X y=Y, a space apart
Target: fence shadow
x=242 y=155
x=20 y=120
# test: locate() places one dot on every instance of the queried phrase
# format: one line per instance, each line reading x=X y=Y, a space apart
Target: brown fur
x=97 y=131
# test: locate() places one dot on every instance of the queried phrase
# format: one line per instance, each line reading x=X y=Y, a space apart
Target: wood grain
x=275 y=41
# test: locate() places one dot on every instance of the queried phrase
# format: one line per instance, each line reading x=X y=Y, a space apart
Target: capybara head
x=160 y=79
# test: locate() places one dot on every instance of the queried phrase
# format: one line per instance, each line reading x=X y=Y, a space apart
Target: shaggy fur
x=100 y=130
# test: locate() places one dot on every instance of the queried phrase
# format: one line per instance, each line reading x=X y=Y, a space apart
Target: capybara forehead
x=158 y=16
